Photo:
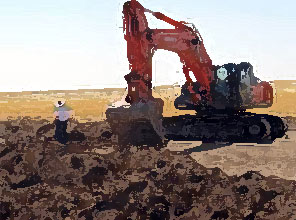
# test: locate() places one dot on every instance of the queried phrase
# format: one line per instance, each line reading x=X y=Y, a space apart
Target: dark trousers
x=61 y=134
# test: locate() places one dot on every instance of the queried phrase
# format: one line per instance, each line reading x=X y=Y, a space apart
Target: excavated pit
x=93 y=178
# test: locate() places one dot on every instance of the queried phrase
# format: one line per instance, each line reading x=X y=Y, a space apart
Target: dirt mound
x=41 y=179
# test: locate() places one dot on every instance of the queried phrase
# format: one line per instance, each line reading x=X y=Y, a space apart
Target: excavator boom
x=142 y=42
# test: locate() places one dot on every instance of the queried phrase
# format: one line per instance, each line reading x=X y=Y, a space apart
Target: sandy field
x=90 y=105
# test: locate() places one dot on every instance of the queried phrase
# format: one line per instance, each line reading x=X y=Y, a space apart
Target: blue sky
x=72 y=44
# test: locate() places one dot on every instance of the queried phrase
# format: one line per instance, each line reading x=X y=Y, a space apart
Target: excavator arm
x=142 y=42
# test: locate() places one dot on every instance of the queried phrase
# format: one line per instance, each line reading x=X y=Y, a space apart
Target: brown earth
x=93 y=178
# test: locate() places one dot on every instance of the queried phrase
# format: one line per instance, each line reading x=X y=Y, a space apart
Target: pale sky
x=79 y=44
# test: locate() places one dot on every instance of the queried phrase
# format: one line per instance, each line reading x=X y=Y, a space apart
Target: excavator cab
x=233 y=88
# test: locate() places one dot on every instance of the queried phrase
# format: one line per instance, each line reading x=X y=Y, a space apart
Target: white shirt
x=62 y=114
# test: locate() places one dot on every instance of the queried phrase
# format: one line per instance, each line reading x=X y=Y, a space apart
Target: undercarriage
x=150 y=130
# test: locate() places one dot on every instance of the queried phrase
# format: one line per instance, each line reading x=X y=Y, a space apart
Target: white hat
x=59 y=103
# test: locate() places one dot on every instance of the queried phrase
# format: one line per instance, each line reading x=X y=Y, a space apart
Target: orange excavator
x=220 y=95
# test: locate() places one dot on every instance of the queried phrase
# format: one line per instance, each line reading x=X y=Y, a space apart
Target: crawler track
x=246 y=127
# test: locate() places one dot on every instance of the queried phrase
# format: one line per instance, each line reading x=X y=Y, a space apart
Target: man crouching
x=62 y=113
